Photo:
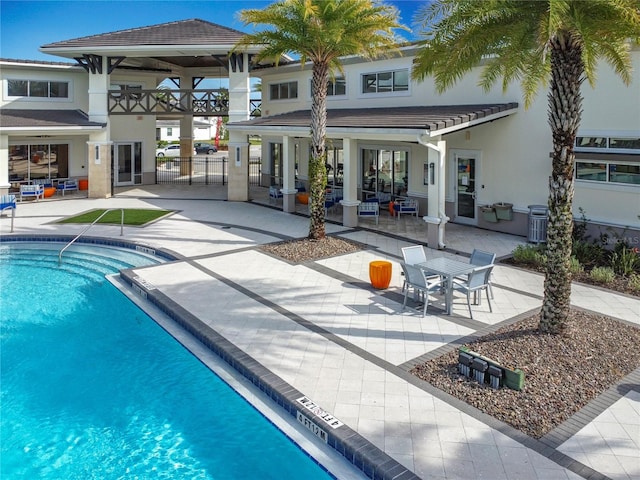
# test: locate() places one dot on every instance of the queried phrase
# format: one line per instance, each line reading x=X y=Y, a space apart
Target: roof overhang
x=46 y=122
x=397 y=123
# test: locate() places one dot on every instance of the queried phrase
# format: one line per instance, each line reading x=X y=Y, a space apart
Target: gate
x=201 y=171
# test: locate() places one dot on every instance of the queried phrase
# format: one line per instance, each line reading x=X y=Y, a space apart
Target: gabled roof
x=438 y=120
x=46 y=120
x=182 y=32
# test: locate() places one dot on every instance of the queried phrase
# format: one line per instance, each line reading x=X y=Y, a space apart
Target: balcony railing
x=208 y=103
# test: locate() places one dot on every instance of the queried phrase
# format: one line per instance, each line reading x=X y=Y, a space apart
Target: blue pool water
x=92 y=388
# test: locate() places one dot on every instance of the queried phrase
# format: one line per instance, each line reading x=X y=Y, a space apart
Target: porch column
x=4 y=165
x=99 y=168
x=288 y=174
x=239 y=91
x=99 y=144
x=186 y=128
x=436 y=217
x=350 y=200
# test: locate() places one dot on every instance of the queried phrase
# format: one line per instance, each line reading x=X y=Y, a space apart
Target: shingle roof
x=423 y=118
x=45 y=119
x=182 y=32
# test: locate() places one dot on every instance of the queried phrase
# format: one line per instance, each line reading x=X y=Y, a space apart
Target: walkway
x=327 y=335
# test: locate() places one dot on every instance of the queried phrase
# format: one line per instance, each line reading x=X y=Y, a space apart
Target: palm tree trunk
x=317 y=163
x=565 y=110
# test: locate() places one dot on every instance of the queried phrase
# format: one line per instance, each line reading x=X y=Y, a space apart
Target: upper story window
x=609 y=144
x=386 y=82
x=37 y=88
x=282 y=91
x=337 y=86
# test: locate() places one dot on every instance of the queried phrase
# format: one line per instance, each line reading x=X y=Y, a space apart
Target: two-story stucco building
x=456 y=153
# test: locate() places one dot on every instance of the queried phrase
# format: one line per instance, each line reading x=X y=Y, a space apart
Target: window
x=169 y=132
x=337 y=86
x=282 y=91
x=38 y=161
x=37 y=89
x=598 y=143
x=385 y=82
x=608 y=172
x=385 y=173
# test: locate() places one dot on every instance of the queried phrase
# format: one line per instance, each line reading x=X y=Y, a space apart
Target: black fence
x=201 y=171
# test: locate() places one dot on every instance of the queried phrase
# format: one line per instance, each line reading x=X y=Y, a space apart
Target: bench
x=368 y=210
x=31 y=191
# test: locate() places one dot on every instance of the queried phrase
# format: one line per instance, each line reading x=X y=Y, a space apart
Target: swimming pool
x=94 y=388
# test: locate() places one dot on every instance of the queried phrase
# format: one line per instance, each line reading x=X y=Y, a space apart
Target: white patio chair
x=369 y=209
x=477 y=281
x=422 y=285
x=409 y=206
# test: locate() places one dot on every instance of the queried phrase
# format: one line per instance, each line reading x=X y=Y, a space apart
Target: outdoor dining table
x=449 y=269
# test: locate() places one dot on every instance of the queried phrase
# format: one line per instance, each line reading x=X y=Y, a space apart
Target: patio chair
x=8 y=202
x=481 y=258
x=476 y=282
x=368 y=210
x=413 y=255
x=409 y=206
x=274 y=194
x=67 y=186
x=422 y=284
x=31 y=191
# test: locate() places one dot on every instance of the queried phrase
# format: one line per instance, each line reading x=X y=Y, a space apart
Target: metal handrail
x=89 y=226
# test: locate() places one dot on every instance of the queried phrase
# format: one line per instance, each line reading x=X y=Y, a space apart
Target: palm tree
x=321 y=31
x=536 y=42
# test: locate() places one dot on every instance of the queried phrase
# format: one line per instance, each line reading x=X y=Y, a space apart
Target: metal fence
x=201 y=171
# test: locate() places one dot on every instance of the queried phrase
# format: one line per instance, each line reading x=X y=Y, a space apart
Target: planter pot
x=504 y=211
x=489 y=213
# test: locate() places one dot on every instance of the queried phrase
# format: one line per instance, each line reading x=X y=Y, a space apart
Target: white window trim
x=5 y=91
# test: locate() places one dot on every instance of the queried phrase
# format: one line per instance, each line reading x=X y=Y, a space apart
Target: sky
x=27 y=25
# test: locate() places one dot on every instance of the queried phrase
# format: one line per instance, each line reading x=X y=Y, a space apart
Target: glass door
x=123 y=164
x=465 y=188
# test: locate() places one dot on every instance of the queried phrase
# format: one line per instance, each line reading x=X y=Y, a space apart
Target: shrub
x=588 y=254
x=634 y=282
x=625 y=260
x=603 y=274
x=530 y=255
x=575 y=265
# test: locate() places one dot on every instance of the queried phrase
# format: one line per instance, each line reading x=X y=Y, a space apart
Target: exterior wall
x=76 y=76
x=515 y=163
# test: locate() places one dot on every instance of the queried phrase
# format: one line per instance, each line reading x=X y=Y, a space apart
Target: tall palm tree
x=536 y=42
x=320 y=32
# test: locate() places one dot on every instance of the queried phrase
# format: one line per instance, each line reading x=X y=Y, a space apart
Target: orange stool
x=83 y=184
x=49 y=192
x=380 y=273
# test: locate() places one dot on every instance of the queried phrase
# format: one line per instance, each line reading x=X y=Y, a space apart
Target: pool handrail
x=89 y=226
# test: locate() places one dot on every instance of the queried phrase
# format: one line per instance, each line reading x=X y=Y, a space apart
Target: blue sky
x=26 y=25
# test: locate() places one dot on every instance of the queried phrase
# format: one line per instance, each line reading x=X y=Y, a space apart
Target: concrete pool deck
x=325 y=333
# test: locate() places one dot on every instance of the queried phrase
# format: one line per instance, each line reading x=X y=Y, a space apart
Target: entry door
x=466 y=172
x=123 y=163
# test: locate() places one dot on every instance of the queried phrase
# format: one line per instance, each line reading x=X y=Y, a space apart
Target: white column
x=239 y=91
x=289 y=174
x=350 y=200
x=4 y=164
x=99 y=144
